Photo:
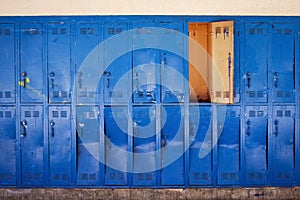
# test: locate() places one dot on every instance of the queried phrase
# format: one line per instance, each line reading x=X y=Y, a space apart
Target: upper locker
x=282 y=63
x=31 y=63
x=211 y=63
x=7 y=63
x=59 y=60
x=222 y=66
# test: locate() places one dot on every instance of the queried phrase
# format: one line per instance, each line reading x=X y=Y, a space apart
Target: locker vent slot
x=35 y=113
x=226 y=94
x=287 y=113
x=7 y=94
x=224 y=176
x=218 y=94
x=279 y=31
x=251 y=176
x=251 y=31
x=279 y=94
x=56 y=177
x=92 y=115
x=91 y=31
x=84 y=176
x=1 y=114
x=63 y=113
x=55 y=94
x=287 y=31
x=63 y=31
x=112 y=176
x=251 y=113
x=260 y=176
x=260 y=94
x=279 y=113
x=54 y=113
x=91 y=94
x=35 y=31
x=121 y=176
x=93 y=177
x=82 y=94
x=7 y=114
x=6 y=176
x=1 y=94
x=287 y=94
x=82 y=31
x=140 y=177
x=28 y=176
x=54 y=31
x=7 y=31
x=27 y=114
x=204 y=176
x=251 y=94
x=111 y=31
x=260 y=31
x=65 y=177
x=119 y=30
x=260 y=113
x=148 y=177
x=232 y=176
x=64 y=94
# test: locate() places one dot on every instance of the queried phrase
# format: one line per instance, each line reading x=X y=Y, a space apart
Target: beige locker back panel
x=221 y=65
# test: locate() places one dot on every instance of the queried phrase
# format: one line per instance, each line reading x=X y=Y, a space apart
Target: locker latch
x=248 y=79
x=276 y=79
x=24 y=80
x=276 y=123
x=163 y=140
x=107 y=74
x=52 y=123
x=24 y=125
x=52 y=75
x=80 y=80
x=248 y=127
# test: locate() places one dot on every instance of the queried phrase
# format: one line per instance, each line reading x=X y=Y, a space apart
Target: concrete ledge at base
x=144 y=194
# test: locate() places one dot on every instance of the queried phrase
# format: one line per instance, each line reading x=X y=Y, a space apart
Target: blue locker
x=7 y=63
x=117 y=65
x=255 y=137
x=145 y=63
x=88 y=145
x=144 y=145
x=172 y=146
x=282 y=70
x=59 y=61
x=31 y=62
x=87 y=71
x=254 y=62
x=200 y=168
x=32 y=145
x=172 y=65
x=7 y=145
x=283 y=146
x=116 y=145
x=60 y=147
x=229 y=146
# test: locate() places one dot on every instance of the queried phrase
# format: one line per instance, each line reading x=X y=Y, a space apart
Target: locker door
x=144 y=145
x=31 y=63
x=255 y=141
x=172 y=65
x=60 y=145
x=228 y=147
x=222 y=62
x=254 y=62
x=282 y=72
x=59 y=58
x=116 y=145
x=88 y=145
x=7 y=146
x=32 y=146
x=7 y=63
x=87 y=38
x=145 y=64
x=116 y=65
x=172 y=146
x=283 y=146
x=200 y=169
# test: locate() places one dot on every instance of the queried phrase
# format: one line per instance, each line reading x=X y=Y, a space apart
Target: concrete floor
x=144 y=194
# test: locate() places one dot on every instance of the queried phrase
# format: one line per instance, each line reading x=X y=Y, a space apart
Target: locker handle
x=81 y=125
x=52 y=123
x=248 y=79
x=276 y=79
x=107 y=74
x=163 y=141
x=52 y=75
x=24 y=79
x=248 y=127
x=80 y=80
x=276 y=123
x=24 y=125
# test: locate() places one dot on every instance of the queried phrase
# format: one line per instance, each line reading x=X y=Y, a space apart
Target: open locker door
x=220 y=78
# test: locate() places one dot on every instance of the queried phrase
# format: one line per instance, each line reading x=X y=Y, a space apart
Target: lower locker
x=60 y=148
x=255 y=145
x=116 y=145
x=144 y=145
x=200 y=156
x=228 y=145
x=7 y=145
x=88 y=145
x=283 y=149
x=32 y=146
x=172 y=146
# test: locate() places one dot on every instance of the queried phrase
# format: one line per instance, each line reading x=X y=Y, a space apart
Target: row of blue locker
x=153 y=146
x=42 y=61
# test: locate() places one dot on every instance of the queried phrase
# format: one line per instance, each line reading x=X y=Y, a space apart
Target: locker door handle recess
x=52 y=75
x=52 y=123
x=25 y=80
x=163 y=141
x=276 y=123
x=248 y=127
x=24 y=125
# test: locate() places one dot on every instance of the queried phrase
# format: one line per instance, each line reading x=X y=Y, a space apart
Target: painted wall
x=153 y=7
